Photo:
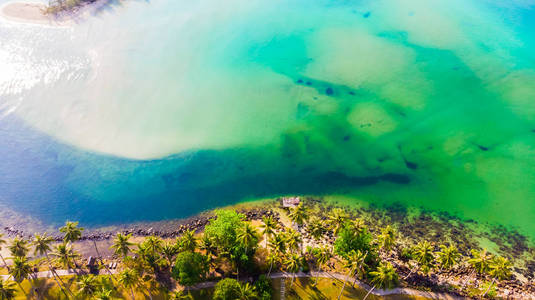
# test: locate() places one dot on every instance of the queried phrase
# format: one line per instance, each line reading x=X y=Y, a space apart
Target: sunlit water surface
x=161 y=109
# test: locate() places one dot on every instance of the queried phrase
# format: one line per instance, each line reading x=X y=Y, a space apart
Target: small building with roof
x=290 y=201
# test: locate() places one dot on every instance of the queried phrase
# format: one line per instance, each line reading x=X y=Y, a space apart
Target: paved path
x=312 y=274
x=342 y=277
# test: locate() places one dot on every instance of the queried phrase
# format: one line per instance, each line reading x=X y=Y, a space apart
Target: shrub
x=227 y=289
x=264 y=288
x=190 y=268
x=406 y=254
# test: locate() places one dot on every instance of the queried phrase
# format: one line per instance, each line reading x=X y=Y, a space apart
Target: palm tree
x=207 y=244
x=293 y=239
x=179 y=295
x=121 y=244
x=148 y=259
x=21 y=270
x=247 y=292
x=247 y=236
x=72 y=232
x=268 y=227
x=187 y=241
x=448 y=257
x=354 y=262
x=103 y=294
x=384 y=277
x=479 y=262
x=316 y=228
x=41 y=245
x=169 y=251
x=64 y=254
x=153 y=244
x=424 y=257
x=359 y=260
x=387 y=238
x=3 y=242
x=298 y=214
x=358 y=225
x=337 y=219
x=18 y=247
x=278 y=243
x=7 y=290
x=87 y=286
x=272 y=258
x=293 y=264
x=105 y=283
x=129 y=279
x=500 y=269
x=150 y=283
x=322 y=255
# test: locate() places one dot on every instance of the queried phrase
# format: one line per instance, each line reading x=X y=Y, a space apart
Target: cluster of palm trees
x=153 y=264
x=358 y=262
x=62 y=254
x=448 y=257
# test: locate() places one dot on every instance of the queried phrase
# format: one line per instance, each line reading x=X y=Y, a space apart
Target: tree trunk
x=369 y=292
x=318 y=275
x=270 y=267
x=469 y=277
x=20 y=287
x=488 y=289
x=34 y=288
x=345 y=281
x=132 y=293
x=410 y=273
x=58 y=280
x=59 y=284
x=355 y=280
x=100 y=258
x=5 y=264
x=32 y=278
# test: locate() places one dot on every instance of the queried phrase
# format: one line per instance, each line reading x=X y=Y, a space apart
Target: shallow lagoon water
x=158 y=110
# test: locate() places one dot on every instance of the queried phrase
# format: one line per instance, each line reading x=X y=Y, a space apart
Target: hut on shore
x=290 y=201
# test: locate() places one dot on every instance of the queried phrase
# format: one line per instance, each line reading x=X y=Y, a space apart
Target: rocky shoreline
x=434 y=227
x=163 y=229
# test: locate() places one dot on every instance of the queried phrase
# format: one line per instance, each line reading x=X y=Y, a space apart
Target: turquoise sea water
x=158 y=110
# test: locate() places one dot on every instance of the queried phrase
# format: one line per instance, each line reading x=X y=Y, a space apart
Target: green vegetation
x=7 y=290
x=227 y=289
x=231 y=252
x=190 y=268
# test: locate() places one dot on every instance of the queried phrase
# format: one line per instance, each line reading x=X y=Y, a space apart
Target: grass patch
x=304 y=288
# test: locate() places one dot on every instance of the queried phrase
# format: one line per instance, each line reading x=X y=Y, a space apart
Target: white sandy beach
x=32 y=13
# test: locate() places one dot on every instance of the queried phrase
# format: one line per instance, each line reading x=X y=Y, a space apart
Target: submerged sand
x=27 y=12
